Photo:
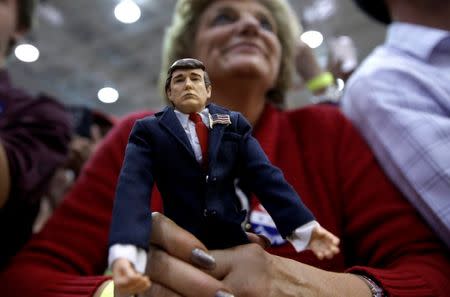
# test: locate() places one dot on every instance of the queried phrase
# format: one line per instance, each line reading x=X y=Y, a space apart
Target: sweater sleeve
x=35 y=134
x=69 y=256
x=384 y=236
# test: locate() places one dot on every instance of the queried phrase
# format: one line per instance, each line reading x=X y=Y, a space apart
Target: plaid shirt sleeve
x=401 y=114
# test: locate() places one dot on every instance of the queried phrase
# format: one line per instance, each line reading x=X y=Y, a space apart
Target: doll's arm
x=131 y=221
x=135 y=255
x=265 y=180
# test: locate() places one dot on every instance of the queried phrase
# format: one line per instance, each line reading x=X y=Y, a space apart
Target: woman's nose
x=249 y=25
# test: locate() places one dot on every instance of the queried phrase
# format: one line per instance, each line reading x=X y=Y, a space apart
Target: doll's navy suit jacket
x=202 y=201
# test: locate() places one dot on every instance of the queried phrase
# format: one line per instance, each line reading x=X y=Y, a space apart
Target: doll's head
x=188 y=86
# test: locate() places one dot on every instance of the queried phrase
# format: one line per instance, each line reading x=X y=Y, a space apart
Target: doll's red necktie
x=202 y=135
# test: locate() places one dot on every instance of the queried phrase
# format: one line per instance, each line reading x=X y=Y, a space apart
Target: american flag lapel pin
x=223 y=119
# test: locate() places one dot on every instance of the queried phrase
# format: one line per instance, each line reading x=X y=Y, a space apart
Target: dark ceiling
x=84 y=48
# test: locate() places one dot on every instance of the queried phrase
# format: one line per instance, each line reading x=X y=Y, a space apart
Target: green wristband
x=108 y=291
x=321 y=81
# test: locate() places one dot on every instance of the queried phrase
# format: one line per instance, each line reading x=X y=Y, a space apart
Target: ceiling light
x=108 y=95
x=26 y=53
x=127 y=11
x=312 y=38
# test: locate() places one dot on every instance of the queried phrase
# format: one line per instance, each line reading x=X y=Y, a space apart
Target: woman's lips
x=245 y=47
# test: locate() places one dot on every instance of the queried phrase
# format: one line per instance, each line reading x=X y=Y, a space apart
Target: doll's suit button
x=209 y=213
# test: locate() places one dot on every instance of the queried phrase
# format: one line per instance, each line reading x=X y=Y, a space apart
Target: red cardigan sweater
x=324 y=159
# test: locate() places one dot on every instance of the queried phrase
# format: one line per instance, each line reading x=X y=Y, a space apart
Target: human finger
x=243 y=256
x=259 y=239
x=157 y=290
x=181 y=277
x=179 y=242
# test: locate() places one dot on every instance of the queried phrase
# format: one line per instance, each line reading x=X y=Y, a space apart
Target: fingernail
x=201 y=258
x=223 y=294
x=267 y=242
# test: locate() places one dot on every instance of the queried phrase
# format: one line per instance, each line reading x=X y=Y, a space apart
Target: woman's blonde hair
x=180 y=34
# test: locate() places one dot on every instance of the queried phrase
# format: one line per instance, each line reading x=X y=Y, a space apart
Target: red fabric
x=324 y=159
x=202 y=135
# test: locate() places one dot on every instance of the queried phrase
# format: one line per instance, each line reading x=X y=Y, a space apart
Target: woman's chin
x=245 y=67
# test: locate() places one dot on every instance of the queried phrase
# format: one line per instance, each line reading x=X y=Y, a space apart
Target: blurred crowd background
x=84 y=46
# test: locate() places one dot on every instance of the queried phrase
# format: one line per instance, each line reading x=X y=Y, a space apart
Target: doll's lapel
x=216 y=132
x=171 y=123
x=215 y=138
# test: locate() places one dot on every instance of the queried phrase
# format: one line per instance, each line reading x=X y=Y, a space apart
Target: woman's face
x=238 y=38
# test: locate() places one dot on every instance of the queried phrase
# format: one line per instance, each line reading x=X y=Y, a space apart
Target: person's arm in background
x=69 y=255
x=342 y=57
x=309 y=69
x=320 y=82
x=33 y=142
x=408 y=128
x=342 y=61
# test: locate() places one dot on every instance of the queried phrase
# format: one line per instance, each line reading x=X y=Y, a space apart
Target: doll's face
x=188 y=91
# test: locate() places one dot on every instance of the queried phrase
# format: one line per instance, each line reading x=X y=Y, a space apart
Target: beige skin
x=187 y=91
x=246 y=270
x=171 y=251
x=241 y=52
x=9 y=29
x=236 y=41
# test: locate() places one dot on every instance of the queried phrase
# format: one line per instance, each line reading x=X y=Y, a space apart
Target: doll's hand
x=323 y=243
x=127 y=281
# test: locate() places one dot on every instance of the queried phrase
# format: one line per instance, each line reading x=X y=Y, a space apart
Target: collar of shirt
x=184 y=118
x=404 y=36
